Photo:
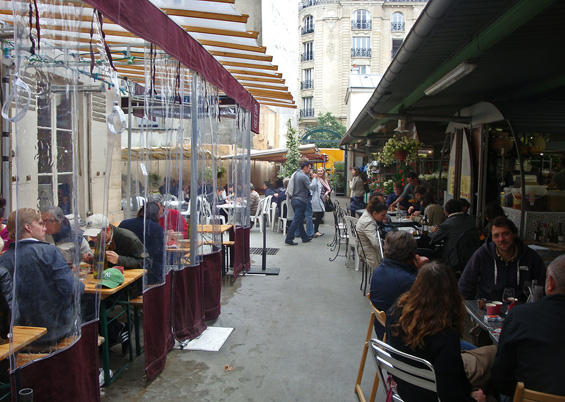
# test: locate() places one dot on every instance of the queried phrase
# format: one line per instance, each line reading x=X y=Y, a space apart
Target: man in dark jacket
x=449 y=231
x=46 y=292
x=146 y=227
x=531 y=348
x=123 y=247
x=501 y=262
x=396 y=272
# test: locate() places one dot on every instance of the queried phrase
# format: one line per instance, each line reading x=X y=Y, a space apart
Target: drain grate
x=259 y=250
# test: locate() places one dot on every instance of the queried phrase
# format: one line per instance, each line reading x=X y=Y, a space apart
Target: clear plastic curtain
x=51 y=114
x=240 y=167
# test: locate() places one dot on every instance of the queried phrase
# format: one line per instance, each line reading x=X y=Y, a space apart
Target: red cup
x=119 y=268
x=498 y=306
x=512 y=304
x=491 y=309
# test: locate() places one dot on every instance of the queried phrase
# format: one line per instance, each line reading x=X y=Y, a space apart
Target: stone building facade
x=341 y=37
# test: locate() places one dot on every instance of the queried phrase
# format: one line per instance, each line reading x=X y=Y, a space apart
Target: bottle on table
x=99 y=263
x=560 y=233
x=551 y=234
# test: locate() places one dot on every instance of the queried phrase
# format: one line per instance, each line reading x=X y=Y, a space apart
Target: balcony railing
x=398 y=27
x=307 y=56
x=307 y=113
x=308 y=3
x=361 y=25
x=360 y=52
x=307 y=30
x=307 y=84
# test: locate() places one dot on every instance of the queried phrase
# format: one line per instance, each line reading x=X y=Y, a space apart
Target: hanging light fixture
x=450 y=78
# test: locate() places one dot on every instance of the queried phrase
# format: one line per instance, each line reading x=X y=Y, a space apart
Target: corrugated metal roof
x=515 y=44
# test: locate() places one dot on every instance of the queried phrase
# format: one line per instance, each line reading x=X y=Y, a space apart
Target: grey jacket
x=317 y=203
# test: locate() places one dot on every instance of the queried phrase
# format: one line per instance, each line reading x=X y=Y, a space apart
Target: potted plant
x=402 y=148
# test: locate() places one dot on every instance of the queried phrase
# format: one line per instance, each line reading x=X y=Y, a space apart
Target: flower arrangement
x=409 y=145
x=433 y=178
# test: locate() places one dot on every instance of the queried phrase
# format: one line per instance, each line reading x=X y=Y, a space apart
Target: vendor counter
x=534 y=218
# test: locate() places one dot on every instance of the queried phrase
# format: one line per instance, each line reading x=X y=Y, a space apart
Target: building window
x=55 y=152
x=397 y=22
x=396 y=43
x=307 y=51
x=361 y=70
x=307 y=107
x=361 y=46
x=307 y=81
x=307 y=25
x=361 y=19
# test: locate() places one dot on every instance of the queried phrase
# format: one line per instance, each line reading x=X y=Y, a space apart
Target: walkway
x=298 y=336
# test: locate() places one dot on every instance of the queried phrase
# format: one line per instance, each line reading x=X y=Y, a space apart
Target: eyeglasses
x=50 y=220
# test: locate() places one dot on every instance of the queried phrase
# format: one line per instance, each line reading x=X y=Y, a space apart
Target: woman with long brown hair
x=427 y=321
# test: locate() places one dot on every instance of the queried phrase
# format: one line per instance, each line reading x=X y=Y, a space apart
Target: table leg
x=106 y=345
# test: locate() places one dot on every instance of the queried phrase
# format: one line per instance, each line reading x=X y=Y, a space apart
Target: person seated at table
x=408 y=192
x=280 y=196
x=379 y=196
x=371 y=222
x=396 y=272
x=449 y=231
x=171 y=220
x=357 y=188
x=531 y=348
x=465 y=205
x=123 y=247
x=503 y=261
x=492 y=210
x=45 y=291
x=230 y=192
x=432 y=211
x=58 y=232
x=146 y=227
x=427 y=321
x=417 y=208
x=268 y=188
x=398 y=189
x=254 y=199
x=279 y=186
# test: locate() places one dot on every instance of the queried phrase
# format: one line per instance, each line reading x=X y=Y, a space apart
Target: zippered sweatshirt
x=486 y=274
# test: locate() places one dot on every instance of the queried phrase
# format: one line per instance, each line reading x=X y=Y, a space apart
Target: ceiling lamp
x=450 y=78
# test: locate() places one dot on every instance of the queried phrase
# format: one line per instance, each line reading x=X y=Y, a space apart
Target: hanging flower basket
x=403 y=148
x=400 y=155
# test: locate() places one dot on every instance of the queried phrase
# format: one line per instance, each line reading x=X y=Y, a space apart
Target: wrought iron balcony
x=307 y=30
x=307 y=56
x=398 y=27
x=307 y=113
x=307 y=84
x=361 y=25
x=360 y=52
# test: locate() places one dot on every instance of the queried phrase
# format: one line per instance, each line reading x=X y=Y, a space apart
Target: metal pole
x=128 y=191
x=194 y=168
x=6 y=148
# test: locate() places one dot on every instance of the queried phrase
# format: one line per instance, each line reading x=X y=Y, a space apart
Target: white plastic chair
x=283 y=218
x=267 y=209
x=257 y=219
x=273 y=214
x=414 y=370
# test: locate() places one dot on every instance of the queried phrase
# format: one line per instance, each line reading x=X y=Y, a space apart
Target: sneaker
x=101 y=376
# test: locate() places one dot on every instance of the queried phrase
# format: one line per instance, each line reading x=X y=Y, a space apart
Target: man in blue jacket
x=46 y=293
x=503 y=261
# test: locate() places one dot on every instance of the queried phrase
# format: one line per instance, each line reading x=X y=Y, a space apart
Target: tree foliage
x=323 y=139
x=293 y=154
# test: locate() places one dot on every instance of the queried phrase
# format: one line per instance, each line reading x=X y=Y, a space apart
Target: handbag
x=329 y=205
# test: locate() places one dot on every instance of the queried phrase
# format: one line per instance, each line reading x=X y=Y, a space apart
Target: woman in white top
x=357 y=187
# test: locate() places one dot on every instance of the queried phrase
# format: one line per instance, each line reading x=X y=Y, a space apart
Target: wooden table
x=218 y=229
x=21 y=337
x=108 y=299
x=477 y=315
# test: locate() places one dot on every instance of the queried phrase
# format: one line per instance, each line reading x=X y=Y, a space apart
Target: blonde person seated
x=369 y=223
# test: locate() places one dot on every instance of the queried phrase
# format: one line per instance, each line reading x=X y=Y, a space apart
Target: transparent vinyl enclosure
x=63 y=135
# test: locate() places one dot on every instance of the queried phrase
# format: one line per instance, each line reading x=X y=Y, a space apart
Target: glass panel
x=44 y=151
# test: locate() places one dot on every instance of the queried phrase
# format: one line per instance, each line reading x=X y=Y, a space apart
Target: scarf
x=327 y=186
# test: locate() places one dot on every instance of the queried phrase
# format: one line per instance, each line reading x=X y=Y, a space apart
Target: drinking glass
x=83 y=271
x=509 y=296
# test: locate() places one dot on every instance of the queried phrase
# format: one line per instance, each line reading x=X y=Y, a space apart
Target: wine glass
x=508 y=296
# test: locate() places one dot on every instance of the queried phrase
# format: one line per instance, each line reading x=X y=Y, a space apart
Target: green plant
x=154 y=179
x=395 y=144
x=339 y=166
x=292 y=155
x=220 y=171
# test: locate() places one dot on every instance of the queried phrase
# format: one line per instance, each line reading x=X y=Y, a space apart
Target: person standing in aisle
x=299 y=201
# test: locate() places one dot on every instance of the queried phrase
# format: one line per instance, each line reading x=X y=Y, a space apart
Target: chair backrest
x=260 y=208
x=267 y=204
x=285 y=209
x=527 y=395
x=467 y=243
x=379 y=315
x=411 y=369
x=351 y=223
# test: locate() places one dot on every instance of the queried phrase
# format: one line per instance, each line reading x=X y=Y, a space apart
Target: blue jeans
x=297 y=224
x=309 y=221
